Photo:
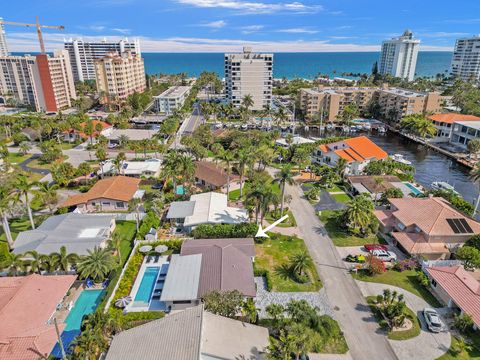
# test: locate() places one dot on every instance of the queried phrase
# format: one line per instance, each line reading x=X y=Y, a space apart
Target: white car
x=384 y=255
x=434 y=323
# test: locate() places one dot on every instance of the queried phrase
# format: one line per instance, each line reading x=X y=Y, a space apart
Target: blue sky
x=227 y=25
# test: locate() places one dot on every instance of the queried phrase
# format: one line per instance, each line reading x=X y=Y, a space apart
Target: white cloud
x=25 y=42
x=441 y=34
x=298 y=31
x=254 y=7
x=215 y=24
x=122 y=31
x=250 y=29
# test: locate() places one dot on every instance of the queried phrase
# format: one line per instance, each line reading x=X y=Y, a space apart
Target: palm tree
x=5 y=206
x=340 y=167
x=301 y=262
x=379 y=180
x=48 y=194
x=85 y=169
x=283 y=177
x=63 y=260
x=247 y=103
x=255 y=197
x=118 y=163
x=134 y=205
x=475 y=176
x=187 y=169
x=101 y=155
x=243 y=158
x=24 y=187
x=419 y=125
x=227 y=158
x=359 y=215
x=170 y=167
x=16 y=263
x=115 y=244
x=35 y=261
x=123 y=140
x=96 y=265
x=24 y=147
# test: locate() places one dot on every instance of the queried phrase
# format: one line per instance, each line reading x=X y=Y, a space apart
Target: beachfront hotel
x=466 y=59
x=249 y=73
x=399 y=56
x=119 y=76
x=84 y=53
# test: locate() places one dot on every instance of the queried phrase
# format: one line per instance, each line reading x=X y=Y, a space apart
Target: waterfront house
x=456 y=288
x=463 y=132
x=429 y=227
x=27 y=305
x=357 y=151
x=110 y=194
x=77 y=232
x=192 y=334
x=295 y=140
x=148 y=168
x=131 y=135
x=374 y=186
x=205 y=208
x=73 y=135
x=211 y=176
x=444 y=124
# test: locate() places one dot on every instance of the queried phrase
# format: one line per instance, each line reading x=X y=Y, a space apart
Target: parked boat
x=244 y=127
x=367 y=126
x=218 y=125
x=442 y=185
x=330 y=127
x=400 y=159
x=322 y=128
x=345 y=129
x=381 y=130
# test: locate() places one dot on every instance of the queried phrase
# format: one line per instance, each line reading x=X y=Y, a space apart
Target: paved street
x=188 y=126
x=350 y=307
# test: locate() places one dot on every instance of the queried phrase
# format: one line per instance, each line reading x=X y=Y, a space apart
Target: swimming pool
x=86 y=304
x=415 y=191
x=145 y=289
x=180 y=190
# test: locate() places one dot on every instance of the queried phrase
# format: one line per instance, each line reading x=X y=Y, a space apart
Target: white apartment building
x=171 y=99
x=3 y=40
x=251 y=74
x=464 y=131
x=16 y=79
x=399 y=56
x=42 y=81
x=466 y=59
x=83 y=54
x=119 y=76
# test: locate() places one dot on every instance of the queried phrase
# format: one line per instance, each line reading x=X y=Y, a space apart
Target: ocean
x=292 y=65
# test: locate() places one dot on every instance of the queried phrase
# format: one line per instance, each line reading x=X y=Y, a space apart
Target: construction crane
x=39 y=30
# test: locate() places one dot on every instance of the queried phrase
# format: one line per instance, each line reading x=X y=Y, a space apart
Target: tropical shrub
x=96 y=265
x=393 y=308
x=374 y=265
x=149 y=221
x=209 y=231
x=359 y=217
x=463 y=322
x=470 y=257
x=224 y=303
x=407 y=264
x=474 y=241
x=422 y=278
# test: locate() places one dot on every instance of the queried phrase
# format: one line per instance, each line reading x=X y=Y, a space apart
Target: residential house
x=192 y=334
x=131 y=134
x=148 y=168
x=110 y=194
x=206 y=208
x=73 y=135
x=212 y=176
x=444 y=124
x=375 y=186
x=456 y=288
x=357 y=151
x=429 y=227
x=27 y=304
x=465 y=131
x=77 y=232
x=295 y=140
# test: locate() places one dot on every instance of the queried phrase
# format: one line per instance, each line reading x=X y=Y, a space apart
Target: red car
x=371 y=247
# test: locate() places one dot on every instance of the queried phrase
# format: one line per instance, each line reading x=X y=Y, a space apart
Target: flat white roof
x=471 y=124
x=182 y=279
x=174 y=92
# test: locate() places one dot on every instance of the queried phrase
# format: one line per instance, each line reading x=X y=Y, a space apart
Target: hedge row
x=208 y=231
x=149 y=221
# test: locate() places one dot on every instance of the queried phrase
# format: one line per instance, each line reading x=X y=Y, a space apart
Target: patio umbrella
x=145 y=248
x=123 y=301
x=161 y=248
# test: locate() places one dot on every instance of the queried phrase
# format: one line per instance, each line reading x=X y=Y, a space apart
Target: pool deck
x=153 y=305
x=72 y=297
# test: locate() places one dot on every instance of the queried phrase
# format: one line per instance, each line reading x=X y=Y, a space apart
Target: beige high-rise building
x=3 y=40
x=42 y=81
x=249 y=73
x=119 y=76
x=466 y=59
x=328 y=103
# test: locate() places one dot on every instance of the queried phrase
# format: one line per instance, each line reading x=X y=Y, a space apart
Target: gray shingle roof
x=77 y=232
x=180 y=209
x=177 y=336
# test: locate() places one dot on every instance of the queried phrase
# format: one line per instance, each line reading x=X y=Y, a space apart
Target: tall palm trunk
x=6 y=228
x=228 y=182
x=29 y=211
x=283 y=199
x=241 y=185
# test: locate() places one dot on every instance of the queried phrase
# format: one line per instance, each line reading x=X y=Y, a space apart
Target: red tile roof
x=415 y=243
x=461 y=287
x=104 y=125
x=26 y=304
x=358 y=148
x=450 y=118
x=120 y=188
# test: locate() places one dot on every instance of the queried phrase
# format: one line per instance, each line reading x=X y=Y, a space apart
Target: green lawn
x=341 y=197
x=397 y=335
x=289 y=222
x=278 y=250
x=127 y=230
x=17 y=158
x=473 y=354
x=335 y=188
x=234 y=195
x=339 y=236
x=16 y=226
x=68 y=146
x=406 y=280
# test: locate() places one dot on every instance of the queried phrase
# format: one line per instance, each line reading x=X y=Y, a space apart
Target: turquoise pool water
x=86 y=304
x=415 y=191
x=180 y=190
x=148 y=283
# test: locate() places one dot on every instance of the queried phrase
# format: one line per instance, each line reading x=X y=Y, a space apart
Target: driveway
x=327 y=202
x=80 y=154
x=427 y=345
x=25 y=167
x=350 y=307
x=264 y=298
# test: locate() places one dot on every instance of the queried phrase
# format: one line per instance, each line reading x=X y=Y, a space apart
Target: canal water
x=430 y=165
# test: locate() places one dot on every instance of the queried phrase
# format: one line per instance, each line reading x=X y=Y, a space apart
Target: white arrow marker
x=263 y=232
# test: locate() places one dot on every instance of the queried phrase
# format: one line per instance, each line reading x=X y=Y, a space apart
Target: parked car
x=384 y=255
x=434 y=323
x=371 y=247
